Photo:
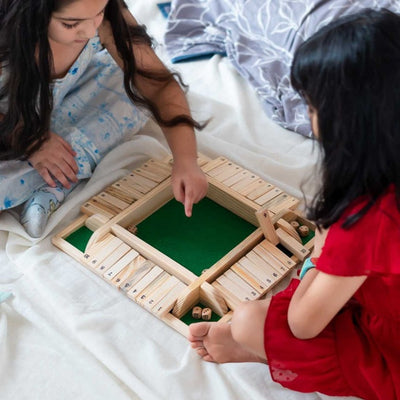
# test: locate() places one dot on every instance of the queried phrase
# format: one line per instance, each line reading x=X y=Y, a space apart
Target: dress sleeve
x=370 y=246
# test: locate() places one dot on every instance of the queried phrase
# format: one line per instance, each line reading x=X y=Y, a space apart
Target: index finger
x=188 y=205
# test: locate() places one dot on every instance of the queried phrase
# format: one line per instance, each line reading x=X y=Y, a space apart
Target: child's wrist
x=308 y=264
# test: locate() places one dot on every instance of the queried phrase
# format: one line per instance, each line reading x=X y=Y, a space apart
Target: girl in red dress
x=336 y=330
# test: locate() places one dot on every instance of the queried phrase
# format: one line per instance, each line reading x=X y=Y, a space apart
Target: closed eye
x=75 y=24
x=70 y=26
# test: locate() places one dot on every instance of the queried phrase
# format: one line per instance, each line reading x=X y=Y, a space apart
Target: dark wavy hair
x=23 y=32
x=349 y=71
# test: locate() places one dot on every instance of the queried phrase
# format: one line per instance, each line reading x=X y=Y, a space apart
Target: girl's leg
x=40 y=206
x=43 y=202
x=242 y=340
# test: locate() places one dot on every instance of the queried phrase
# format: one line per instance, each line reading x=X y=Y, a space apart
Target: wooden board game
x=240 y=242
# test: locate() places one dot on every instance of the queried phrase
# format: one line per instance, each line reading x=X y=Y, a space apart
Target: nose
x=89 y=28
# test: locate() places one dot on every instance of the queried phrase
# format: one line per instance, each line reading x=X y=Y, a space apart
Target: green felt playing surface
x=197 y=242
x=80 y=238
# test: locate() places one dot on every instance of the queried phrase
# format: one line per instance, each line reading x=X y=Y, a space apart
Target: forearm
x=171 y=102
x=182 y=142
x=318 y=298
x=305 y=284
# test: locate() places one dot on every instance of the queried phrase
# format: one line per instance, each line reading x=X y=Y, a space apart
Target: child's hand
x=55 y=160
x=189 y=184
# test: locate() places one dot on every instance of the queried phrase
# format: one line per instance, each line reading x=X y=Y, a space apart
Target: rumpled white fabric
x=67 y=334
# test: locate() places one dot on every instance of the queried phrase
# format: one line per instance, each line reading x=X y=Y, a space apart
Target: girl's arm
x=188 y=181
x=319 y=297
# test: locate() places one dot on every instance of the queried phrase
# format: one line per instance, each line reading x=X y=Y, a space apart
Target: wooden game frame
x=257 y=261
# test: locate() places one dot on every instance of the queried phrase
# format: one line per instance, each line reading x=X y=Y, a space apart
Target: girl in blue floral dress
x=75 y=78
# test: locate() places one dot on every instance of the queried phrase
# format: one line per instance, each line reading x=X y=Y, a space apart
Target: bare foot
x=213 y=342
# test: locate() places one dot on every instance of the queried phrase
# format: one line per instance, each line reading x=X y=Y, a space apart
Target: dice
x=201 y=313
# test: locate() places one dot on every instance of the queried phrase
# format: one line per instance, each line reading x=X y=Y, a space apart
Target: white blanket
x=67 y=334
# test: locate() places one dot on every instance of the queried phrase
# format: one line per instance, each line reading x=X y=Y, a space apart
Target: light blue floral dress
x=91 y=111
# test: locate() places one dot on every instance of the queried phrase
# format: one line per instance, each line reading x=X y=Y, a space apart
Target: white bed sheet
x=66 y=334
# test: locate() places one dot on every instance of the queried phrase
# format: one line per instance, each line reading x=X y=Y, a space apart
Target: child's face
x=77 y=22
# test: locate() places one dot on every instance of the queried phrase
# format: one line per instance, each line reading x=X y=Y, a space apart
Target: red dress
x=358 y=353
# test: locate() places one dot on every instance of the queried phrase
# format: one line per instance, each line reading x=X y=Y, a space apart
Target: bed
x=66 y=334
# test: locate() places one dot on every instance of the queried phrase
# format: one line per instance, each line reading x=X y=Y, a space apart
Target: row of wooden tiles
x=121 y=194
x=254 y=274
x=156 y=290
x=123 y=267
x=249 y=185
x=124 y=192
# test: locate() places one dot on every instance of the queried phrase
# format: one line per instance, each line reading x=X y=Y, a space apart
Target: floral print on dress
x=90 y=110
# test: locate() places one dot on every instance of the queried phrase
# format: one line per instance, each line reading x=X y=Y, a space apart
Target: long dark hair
x=349 y=72
x=23 y=33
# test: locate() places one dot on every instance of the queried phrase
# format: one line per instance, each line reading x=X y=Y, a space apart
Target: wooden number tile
x=142 y=182
x=107 y=207
x=270 y=259
x=120 y=194
x=156 y=283
x=150 y=174
x=249 y=290
x=254 y=283
x=152 y=167
x=283 y=203
x=265 y=198
x=110 y=260
x=112 y=201
x=128 y=271
x=166 y=304
x=225 y=171
x=202 y=160
x=91 y=208
x=255 y=185
x=140 y=285
x=133 y=185
x=292 y=245
x=138 y=274
x=230 y=298
x=236 y=178
x=166 y=167
x=156 y=295
x=103 y=252
x=120 y=264
x=261 y=275
x=97 y=246
x=214 y=164
x=278 y=254
x=220 y=168
x=239 y=187
x=260 y=190
x=234 y=288
x=257 y=266
x=95 y=221
x=124 y=186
